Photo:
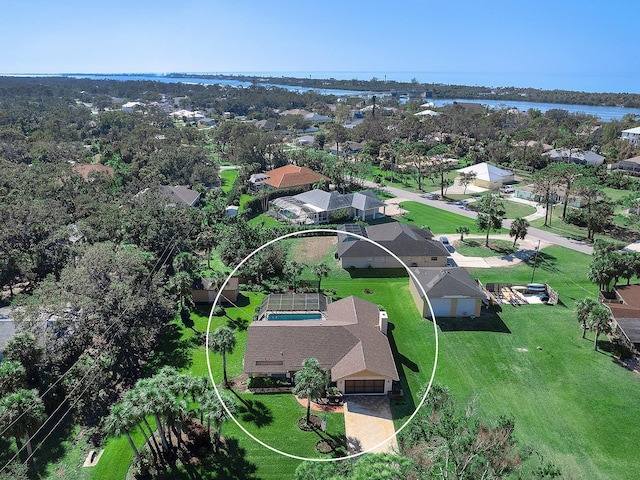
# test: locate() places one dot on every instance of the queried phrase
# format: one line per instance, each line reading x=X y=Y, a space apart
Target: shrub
x=268 y=382
x=576 y=217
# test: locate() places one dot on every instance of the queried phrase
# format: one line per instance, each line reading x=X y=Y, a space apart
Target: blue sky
x=543 y=44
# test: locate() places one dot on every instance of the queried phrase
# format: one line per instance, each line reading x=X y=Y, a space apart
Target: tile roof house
x=317 y=206
x=349 y=340
x=89 y=169
x=292 y=176
x=414 y=246
x=625 y=309
x=489 y=176
x=451 y=291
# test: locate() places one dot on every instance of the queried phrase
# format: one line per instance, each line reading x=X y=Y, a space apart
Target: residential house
x=305 y=141
x=451 y=291
x=348 y=337
x=630 y=165
x=528 y=192
x=625 y=309
x=317 y=118
x=632 y=135
x=291 y=176
x=489 y=176
x=203 y=291
x=317 y=206
x=178 y=195
x=345 y=148
x=88 y=170
x=414 y=246
x=267 y=125
x=575 y=156
x=131 y=106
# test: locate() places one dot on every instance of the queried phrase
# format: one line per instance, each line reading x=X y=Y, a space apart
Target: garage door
x=364 y=386
x=441 y=307
x=466 y=307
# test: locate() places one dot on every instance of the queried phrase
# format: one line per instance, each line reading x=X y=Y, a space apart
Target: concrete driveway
x=368 y=422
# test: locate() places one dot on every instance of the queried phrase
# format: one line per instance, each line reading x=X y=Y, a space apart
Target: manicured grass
x=228 y=177
x=558 y=226
x=437 y=220
x=265 y=220
x=571 y=404
x=474 y=247
x=517 y=210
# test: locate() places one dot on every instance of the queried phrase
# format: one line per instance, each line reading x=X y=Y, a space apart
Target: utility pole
x=535 y=260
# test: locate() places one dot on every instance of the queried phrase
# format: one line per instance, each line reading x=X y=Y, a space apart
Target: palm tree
x=320 y=270
x=599 y=320
x=462 y=230
x=215 y=412
x=12 y=376
x=223 y=340
x=293 y=270
x=206 y=240
x=583 y=308
x=310 y=382
x=120 y=422
x=181 y=283
x=491 y=212
x=518 y=230
x=21 y=412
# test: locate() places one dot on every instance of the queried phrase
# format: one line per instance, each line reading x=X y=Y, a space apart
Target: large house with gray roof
x=451 y=291
x=317 y=206
x=348 y=337
x=415 y=246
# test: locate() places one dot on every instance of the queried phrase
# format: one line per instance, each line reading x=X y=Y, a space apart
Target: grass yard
x=517 y=210
x=474 y=247
x=437 y=220
x=572 y=405
x=227 y=178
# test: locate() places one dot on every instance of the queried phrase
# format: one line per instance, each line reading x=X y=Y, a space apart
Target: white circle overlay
x=302 y=233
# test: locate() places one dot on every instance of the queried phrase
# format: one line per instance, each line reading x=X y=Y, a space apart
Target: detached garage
x=451 y=290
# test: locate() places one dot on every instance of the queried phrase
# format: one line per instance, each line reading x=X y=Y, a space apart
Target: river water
x=604 y=113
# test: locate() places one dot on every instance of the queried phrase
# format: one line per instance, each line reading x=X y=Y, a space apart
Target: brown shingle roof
x=292 y=176
x=347 y=342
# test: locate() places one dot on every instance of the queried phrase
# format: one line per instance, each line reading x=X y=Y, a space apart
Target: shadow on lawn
x=253 y=411
x=231 y=464
x=488 y=321
x=172 y=350
x=404 y=406
x=544 y=262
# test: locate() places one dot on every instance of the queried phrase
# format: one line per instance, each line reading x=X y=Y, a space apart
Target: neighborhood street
x=534 y=234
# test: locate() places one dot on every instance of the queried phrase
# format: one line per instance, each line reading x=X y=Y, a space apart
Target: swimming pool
x=294 y=316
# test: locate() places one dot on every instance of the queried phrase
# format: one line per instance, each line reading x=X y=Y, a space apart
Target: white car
x=507 y=189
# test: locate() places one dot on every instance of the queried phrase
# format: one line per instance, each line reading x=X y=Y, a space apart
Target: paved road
x=533 y=233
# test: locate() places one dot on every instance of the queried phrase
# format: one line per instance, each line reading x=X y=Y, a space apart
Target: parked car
x=444 y=240
x=507 y=189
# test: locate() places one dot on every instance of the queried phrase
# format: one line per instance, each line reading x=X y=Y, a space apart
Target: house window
x=434 y=259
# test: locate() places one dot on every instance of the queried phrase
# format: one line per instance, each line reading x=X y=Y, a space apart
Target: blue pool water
x=294 y=316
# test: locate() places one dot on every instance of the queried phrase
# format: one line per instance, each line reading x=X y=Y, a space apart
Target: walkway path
x=368 y=422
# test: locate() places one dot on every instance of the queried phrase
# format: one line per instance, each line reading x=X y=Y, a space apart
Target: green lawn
x=517 y=210
x=228 y=177
x=572 y=405
x=474 y=247
x=437 y=220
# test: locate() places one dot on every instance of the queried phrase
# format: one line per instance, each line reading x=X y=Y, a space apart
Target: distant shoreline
x=437 y=90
